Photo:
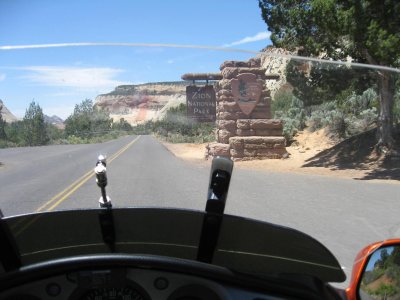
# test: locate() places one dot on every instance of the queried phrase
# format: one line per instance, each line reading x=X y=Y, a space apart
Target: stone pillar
x=245 y=129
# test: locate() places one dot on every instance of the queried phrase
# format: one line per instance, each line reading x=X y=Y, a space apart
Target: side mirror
x=376 y=272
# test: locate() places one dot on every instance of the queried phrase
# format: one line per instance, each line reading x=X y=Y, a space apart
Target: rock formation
x=6 y=114
x=143 y=102
x=274 y=61
x=54 y=120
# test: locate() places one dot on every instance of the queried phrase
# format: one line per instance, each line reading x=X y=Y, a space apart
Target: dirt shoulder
x=314 y=153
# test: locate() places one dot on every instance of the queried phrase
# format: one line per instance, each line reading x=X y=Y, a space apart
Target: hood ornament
x=101 y=179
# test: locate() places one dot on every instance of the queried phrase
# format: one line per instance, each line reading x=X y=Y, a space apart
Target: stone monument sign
x=245 y=128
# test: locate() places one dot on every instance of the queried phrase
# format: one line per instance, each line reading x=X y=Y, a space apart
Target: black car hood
x=244 y=245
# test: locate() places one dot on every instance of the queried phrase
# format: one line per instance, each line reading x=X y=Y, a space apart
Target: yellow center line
x=64 y=194
x=41 y=208
x=73 y=188
x=70 y=192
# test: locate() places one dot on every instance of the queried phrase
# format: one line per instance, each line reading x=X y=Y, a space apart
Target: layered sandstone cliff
x=6 y=114
x=274 y=61
x=143 y=102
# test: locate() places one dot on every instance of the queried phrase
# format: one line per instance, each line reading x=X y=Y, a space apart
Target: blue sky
x=58 y=78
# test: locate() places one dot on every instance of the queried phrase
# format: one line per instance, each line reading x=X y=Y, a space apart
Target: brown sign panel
x=246 y=91
x=201 y=103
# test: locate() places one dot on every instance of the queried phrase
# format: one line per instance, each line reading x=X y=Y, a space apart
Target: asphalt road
x=343 y=214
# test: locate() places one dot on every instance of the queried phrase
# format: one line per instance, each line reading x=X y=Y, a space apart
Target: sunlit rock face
x=143 y=102
x=274 y=61
x=6 y=114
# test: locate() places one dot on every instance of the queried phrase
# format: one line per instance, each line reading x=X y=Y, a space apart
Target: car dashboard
x=130 y=277
x=129 y=284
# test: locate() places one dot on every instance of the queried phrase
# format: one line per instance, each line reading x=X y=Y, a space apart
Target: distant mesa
x=55 y=120
x=6 y=114
x=142 y=102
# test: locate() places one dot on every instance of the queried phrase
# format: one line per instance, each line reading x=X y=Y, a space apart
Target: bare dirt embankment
x=315 y=153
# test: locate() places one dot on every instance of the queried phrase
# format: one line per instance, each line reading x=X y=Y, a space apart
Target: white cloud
x=265 y=35
x=90 y=79
x=170 y=61
x=2 y=77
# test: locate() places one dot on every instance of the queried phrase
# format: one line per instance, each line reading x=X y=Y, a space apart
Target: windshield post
x=10 y=257
x=221 y=172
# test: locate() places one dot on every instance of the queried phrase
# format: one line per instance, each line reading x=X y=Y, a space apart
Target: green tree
x=54 y=133
x=396 y=256
x=15 y=133
x=121 y=125
x=35 y=129
x=3 y=135
x=87 y=120
x=366 y=30
x=321 y=82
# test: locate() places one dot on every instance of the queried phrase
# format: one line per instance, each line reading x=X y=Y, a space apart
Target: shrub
x=384 y=290
x=348 y=115
x=73 y=139
x=393 y=272
x=7 y=144
x=282 y=101
x=291 y=110
x=177 y=128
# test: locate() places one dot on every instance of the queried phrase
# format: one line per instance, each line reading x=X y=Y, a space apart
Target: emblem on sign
x=246 y=91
